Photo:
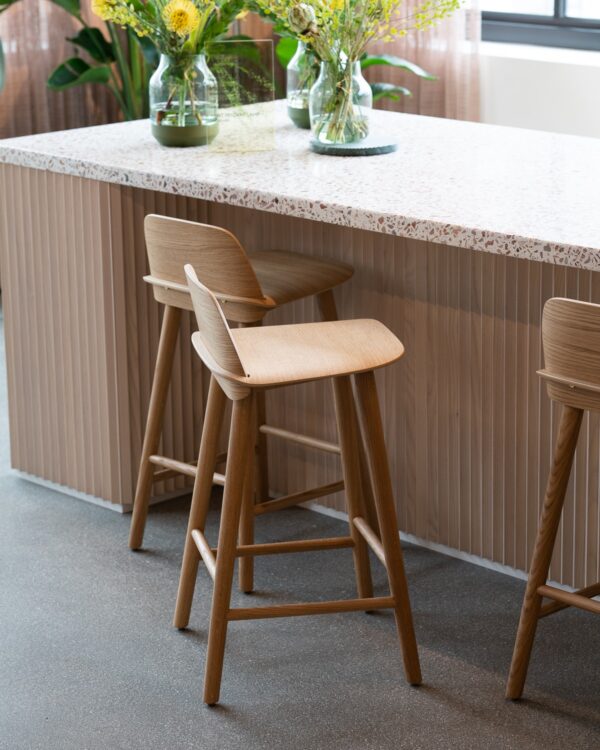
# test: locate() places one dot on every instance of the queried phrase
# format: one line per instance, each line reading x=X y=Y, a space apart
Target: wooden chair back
x=571 y=338
x=218 y=258
x=213 y=341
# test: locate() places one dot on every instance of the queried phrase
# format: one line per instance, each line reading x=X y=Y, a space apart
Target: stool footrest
x=563 y=599
x=300 y=545
x=177 y=467
x=370 y=538
x=298 y=497
x=295 y=437
x=172 y=467
x=311 y=608
x=206 y=552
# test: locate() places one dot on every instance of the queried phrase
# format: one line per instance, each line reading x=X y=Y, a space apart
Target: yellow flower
x=180 y=16
x=103 y=9
x=118 y=12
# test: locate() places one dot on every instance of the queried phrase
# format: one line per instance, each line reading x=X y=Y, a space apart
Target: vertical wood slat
x=468 y=423
x=469 y=427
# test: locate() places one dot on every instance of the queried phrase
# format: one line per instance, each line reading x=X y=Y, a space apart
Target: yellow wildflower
x=181 y=17
x=103 y=9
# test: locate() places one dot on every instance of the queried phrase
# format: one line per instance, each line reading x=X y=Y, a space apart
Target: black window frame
x=558 y=30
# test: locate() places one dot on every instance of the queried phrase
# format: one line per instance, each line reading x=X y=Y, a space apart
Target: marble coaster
x=369 y=146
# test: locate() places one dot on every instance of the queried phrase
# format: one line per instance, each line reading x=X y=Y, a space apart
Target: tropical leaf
x=93 y=42
x=151 y=54
x=75 y=72
x=388 y=91
x=285 y=50
x=367 y=61
x=73 y=7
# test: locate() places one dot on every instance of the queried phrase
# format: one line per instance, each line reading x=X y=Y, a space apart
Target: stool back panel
x=571 y=338
x=219 y=352
x=219 y=260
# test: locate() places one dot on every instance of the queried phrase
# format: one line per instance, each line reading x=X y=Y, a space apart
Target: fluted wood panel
x=82 y=331
x=469 y=427
x=468 y=424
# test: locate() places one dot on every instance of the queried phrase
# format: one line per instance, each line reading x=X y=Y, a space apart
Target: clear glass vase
x=339 y=103
x=301 y=73
x=184 y=101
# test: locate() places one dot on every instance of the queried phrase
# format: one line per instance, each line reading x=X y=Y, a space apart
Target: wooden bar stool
x=571 y=339
x=248 y=286
x=245 y=362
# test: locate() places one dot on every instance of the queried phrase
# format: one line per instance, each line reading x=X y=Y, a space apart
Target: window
x=554 y=23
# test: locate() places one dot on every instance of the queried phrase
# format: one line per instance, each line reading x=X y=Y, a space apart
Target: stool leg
x=240 y=443
x=349 y=438
x=246 y=530
x=372 y=428
x=160 y=387
x=213 y=419
x=328 y=311
x=262 y=460
x=556 y=488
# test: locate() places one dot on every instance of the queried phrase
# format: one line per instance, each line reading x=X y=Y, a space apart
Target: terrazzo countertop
x=499 y=190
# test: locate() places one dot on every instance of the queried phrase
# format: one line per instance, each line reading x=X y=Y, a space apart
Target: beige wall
x=541 y=88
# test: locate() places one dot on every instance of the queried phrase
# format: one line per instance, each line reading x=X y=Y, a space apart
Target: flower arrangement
x=183 y=90
x=176 y=27
x=339 y=31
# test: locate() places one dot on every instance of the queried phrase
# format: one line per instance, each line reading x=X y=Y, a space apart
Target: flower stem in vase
x=181 y=112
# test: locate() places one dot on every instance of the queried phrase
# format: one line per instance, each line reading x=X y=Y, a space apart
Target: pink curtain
x=33 y=35
x=451 y=52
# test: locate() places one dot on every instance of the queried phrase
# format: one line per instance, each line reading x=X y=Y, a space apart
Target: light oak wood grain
x=571 y=342
x=273 y=357
x=469 y=429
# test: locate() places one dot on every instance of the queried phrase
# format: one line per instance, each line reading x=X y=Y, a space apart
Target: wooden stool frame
x=571 y=338
x=222 y=263
x=220 y=354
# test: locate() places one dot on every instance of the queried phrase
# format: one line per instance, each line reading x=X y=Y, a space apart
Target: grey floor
x=89 y=660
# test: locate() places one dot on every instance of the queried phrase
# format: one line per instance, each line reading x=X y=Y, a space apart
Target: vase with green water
x=301 y=73
x=184 y=101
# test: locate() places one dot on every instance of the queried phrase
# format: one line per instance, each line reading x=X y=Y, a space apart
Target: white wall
x=541 y=88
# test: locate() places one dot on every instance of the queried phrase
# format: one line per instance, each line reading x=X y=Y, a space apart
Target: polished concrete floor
x=89 y=660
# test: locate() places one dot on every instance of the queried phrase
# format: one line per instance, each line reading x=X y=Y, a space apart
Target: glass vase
x=339 y=103
x=184 y=101
x=301 y=73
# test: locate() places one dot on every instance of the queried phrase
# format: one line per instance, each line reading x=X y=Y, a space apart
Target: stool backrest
x=217 y=350
x=571 y=338
x=216 y=255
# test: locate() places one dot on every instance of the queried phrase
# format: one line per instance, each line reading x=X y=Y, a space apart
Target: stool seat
x=285 y=276
x=287 y=354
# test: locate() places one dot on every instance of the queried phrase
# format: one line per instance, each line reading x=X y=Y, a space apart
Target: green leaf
x=388 y=91
x=285 y=50
x=71 y=6
x=75 y=72
x=92 y=41
x=367 y=61
x=151 y=55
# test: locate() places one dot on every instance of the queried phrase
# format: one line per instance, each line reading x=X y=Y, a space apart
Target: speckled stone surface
x=499 y=190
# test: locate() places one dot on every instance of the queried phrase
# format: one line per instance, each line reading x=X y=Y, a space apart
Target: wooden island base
x=468 y=425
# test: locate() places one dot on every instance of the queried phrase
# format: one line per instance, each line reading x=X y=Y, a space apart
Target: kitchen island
x=457 y=239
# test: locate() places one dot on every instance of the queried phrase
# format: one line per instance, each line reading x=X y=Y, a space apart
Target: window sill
x=559 y=55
